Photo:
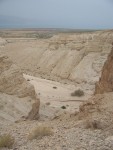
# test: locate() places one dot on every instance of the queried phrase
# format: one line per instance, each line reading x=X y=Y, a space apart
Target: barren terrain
x=40 y=71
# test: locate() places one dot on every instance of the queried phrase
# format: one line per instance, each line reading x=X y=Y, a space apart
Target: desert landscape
x=56 y=89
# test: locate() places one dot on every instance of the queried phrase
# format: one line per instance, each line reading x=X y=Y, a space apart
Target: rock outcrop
x=105 y=83
x=12 y=81
x=16 y=94
x=34 y=113
x=98 y=110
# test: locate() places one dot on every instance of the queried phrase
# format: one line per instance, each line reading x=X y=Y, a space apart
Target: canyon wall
x=98 y=110
x=105 y=83
x=77 y=58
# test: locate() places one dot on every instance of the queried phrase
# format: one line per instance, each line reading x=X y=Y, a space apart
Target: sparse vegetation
x=78 y=93
x=44 y=35
x=63 y=107
x=6 y=140
x=54 y=87
x=48 y=103
x=92 y=124
x=39 y=132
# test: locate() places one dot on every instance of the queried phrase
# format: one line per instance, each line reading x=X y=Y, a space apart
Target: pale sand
x=56 y=97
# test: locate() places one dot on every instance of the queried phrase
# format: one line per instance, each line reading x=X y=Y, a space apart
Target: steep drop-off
x=68 y=57
x=98 y=110
x=105 y=83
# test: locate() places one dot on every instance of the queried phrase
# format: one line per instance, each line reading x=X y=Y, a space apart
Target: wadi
x=56 y=89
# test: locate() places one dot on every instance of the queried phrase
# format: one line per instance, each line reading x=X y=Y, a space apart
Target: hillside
x=74 y=61
x=16 y=94
x=75 y=58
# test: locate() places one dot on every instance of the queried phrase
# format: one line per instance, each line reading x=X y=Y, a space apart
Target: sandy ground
x=56 y=94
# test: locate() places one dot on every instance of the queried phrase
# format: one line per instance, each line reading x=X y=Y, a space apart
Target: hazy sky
x=85 y=14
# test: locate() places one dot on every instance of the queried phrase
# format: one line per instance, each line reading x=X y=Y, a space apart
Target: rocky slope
x=99 y=109
x=16 y=94
x=105 y=83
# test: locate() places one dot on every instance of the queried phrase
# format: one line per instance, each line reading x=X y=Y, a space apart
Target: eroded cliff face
x=105 y=83
x=12 y=81
x=98 y=110
x=16 y=94
x=77 y=58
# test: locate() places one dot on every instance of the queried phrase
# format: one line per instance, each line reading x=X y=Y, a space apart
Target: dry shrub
x=39 y=132
x=63 y=107
x=54 y=87
x=92 y=124
x=48 y=103
x=78 y=93
x=6 y=140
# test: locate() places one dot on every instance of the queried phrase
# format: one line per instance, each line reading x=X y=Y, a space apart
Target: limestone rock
x=12 y=81
x=14 y=88
x=34 y=113
x=105 y=83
